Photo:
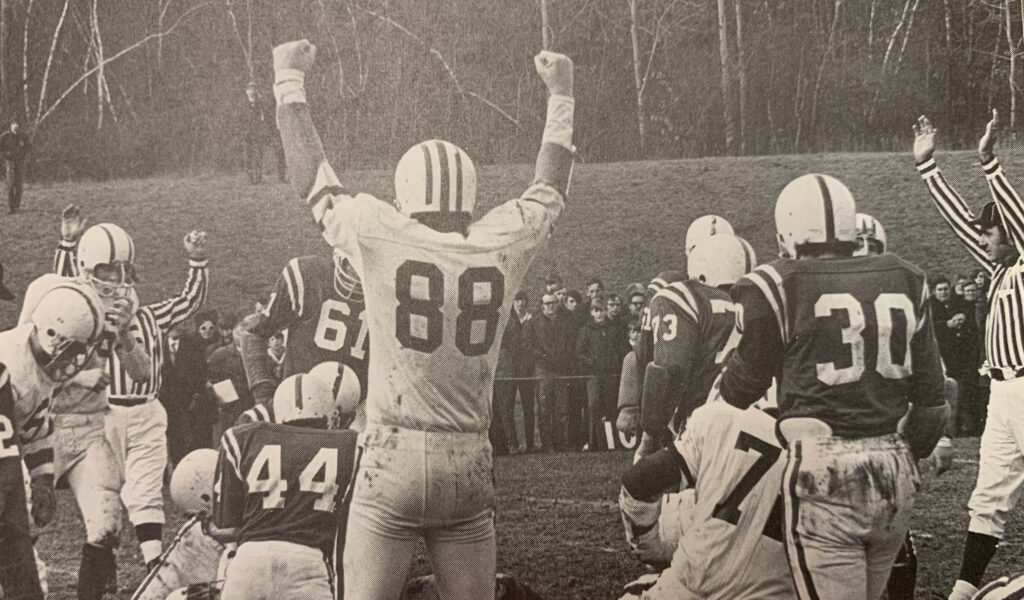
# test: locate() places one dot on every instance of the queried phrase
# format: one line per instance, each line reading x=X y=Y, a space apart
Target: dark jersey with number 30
x=322 y=324
x=283 y=483
x=850 y=340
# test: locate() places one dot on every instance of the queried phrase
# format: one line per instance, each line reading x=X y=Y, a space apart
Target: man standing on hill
x=14 y=145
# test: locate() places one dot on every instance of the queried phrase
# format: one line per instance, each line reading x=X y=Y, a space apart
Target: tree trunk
x=634 y=36
x=948 y=20
x=726 y=64
x=545 y=26
x=1011 y=76
x=741 y=70
x=4 y=83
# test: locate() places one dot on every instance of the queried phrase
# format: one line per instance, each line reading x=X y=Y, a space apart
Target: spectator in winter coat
x=548 y=341
x=514 y=367
x=599 y=354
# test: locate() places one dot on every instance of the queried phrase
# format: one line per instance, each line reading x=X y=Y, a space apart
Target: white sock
x=151 y=549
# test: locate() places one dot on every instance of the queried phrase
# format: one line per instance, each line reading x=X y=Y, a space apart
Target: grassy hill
x=625 y=222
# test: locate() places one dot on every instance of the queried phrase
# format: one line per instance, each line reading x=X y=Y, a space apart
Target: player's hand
x=44 y=500
x=648 y=445
x=298 y=55
x=195 y=245
x=942 y=456
x=987 y=143
x=628 y=421
x=92 y=379
x=924 y=139
x=119 y=317
x=556 y=72
x=72 y=223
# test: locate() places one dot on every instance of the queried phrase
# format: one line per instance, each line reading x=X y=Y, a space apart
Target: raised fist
x=195 y=245
x=72 y=223
x=987 y=143
x=556 y=71
x=298 y=55
x=924 y=139
x=119 y=317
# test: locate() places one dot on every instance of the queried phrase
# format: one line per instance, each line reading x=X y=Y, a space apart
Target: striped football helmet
x=720 y=260
x=814 y=209
x=303 y=397
x=346 y=281
x=68 y=321
x=344 y=384
x=106 y=257
x=703 y=228
x=870 y=236
x=192 y=481
x=435 y=177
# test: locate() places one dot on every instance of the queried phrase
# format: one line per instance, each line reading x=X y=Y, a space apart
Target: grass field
x=558 y=526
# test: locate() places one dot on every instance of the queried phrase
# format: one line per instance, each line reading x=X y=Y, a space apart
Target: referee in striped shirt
x=995 y=240
x=136 y=426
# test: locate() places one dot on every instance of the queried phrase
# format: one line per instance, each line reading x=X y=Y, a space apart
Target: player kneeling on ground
x=733 y=548
x=192 y=557
x=279 y=483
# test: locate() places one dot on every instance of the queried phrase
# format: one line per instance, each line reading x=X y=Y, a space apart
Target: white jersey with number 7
x=435 y=301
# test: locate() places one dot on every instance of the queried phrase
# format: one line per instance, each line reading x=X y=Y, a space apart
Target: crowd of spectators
x=959 y=313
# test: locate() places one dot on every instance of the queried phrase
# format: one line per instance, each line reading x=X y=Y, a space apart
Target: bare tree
x=1011 y=75
x=741 y=70
x=725 y=60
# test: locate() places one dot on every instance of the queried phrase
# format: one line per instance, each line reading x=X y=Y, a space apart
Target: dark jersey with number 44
x=322 y=324
x=281 y=483
x=849 y=339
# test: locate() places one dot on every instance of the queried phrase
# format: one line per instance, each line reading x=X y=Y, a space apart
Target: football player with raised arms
x=52 y=346
x=850 y=341
x=320 y=302
x=278 y=484
x=436 y=284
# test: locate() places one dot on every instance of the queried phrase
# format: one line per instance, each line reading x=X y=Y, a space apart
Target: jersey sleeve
x=8 y=441
x=954 y=211
x=33 y=294
x=187 y=302
x=229 y=486
x=35 y=427
x=675 y=331
x=758 y=357
x=64 y=263
x=287 y=305
x=1011 y=208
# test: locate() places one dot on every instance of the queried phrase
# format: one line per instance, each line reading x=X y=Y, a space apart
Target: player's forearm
x=38 y=454
x=657 y=474
x=1011 y=208
x=257 y=371
x=135 y=360
x=303 y=149
x=554 y=161
x=924 y=426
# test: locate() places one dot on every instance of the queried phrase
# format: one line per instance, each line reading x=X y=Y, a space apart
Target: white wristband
x=558 y=128
x=289 y=86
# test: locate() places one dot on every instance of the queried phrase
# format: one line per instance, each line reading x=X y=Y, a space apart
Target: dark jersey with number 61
x=283 y=483
x=850 y=340
x=323 y=324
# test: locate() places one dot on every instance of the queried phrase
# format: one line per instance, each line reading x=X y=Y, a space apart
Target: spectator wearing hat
x=14 y=146
x=547 y=340
x=511 y=377
x=598 y=352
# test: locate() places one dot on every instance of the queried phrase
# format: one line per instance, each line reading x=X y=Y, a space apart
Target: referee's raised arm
x=951 y=206
x=1011 y=208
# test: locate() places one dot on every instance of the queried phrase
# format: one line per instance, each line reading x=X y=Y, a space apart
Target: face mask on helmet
x=346 y=280
x=871 y=237
x=106 y=255
x=113 y=279
x=67 y=327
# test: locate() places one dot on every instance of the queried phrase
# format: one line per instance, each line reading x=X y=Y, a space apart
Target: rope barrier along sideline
x=557 y=377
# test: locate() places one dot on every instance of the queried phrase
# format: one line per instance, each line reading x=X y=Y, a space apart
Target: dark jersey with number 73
x=283 y=483
x=850 y=340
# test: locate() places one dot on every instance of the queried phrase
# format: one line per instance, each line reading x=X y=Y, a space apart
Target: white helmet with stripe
x=703 y=228
x=435 y=177
x=720 y=260
x=192 y=481
x=106 y=257
x=869 y=230
x=303 y=397
x=814 y=209
x=344 y=384
x=68 y=322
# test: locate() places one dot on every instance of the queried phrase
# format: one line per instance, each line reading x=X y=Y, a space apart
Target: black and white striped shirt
x=1004 y=328
x=150 y=325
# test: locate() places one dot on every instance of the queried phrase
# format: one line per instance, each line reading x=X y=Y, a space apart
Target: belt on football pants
x=128 y=401
x=1003 y=374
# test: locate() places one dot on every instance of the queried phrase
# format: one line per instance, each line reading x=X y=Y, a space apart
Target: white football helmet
x=814 y=209
x=869 y=230
x=703 y=228
x=346 y=280
x=435 y=177
x=720 y=260
x=68 y=323
x=192 y=481
x=302 y=397
x=344 y=384
x=106 y=257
